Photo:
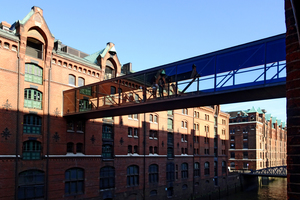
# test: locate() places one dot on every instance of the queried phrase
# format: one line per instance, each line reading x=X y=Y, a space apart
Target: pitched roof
x=93 y=57
x=251 y=110
x=259 y=111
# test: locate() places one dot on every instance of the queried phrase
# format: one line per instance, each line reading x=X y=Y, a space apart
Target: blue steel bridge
x=251 y=71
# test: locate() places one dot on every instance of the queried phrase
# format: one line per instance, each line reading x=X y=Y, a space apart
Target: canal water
x=275 y=190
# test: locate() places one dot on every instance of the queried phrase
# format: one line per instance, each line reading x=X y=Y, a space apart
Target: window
x=206 y=117
x=34 y=47
x=170 y=123
x=106 y=151
x=153 y=173
x=155 y=150
x=223 y=167
x=184 y=138
x=129 y=149
x=245 y=136
x=71 y=79
x=245 y=145
x=245 y=155
x=223 y=132
x=135 y=132
x=74 y=179
x=31 y=185
x=107 y=177
x=135 y=149
x=151 y=118
x=196 y=169
x=232 y=137
x=79 y=148
x=170 y=112
x=170 y=138
x=150 y=150
x=113 y=90
x=135 y=116
x=170 y=153
x=32 y=124
x=206 y=151
x=184 y=186
x=206 y=128
x=31 y=150
x=80 y=81
x=70 y=147
x=80 y=126
x=155 y=118
x=170 y=171
x=170 y=192
x=32 y=98
x=153 y=192
x=232 y=146
x=33 y=73
x=185 y=111
x=206 y=168
x=184 y=170
x=70 y=125
x=129 y=132
x=107 y=132
x=132 y=175
x=232 y=165
x=232 y=155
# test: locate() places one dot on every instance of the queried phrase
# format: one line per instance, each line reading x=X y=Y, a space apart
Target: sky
x=157 y=32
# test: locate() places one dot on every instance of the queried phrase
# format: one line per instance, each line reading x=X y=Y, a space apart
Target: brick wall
x=293 y=100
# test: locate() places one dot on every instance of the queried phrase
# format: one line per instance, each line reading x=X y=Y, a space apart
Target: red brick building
x=180 y=154
x=257 y=140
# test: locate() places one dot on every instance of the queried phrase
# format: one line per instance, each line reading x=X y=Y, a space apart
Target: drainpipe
x=48 y=131
x=17 y=125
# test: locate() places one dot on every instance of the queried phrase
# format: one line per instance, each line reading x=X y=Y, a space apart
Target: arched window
x=33 y=73
x=106 y=151
x=71 y=80
x=196 y=169
x=132 y=175
x=170 y=138
x=32 y=124
x=153 y=173
x=129 y=149
x=81 y=81
x=170 y=123
x=32 y=98
x=155 y=118
x=107 y=177
x=31 y=150
x=184 y=170
x=31 y=185
x=206 y=168
x=70 y=147
x=184 y=186
x=74 y=179
x=151 y=118
x=170 y=171
x=155 y=150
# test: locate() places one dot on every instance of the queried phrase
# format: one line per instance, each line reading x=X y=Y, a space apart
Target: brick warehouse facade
x=292 y=19
x=45 y=156
x=257 y=140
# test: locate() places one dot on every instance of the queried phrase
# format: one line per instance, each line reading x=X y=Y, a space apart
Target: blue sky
x=152 y=33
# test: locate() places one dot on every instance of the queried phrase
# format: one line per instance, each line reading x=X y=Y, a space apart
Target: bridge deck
x=246 y=72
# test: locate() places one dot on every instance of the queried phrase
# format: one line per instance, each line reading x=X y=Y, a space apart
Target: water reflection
x=276 y=190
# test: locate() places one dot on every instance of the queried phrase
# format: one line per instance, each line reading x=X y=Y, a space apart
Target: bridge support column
x=292 y=16
x=265 y=180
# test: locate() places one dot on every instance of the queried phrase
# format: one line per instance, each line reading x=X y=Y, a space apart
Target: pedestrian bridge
x=252 y=71
x=279 y=171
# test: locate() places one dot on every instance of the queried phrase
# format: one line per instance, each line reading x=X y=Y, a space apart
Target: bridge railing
x=256 y=63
